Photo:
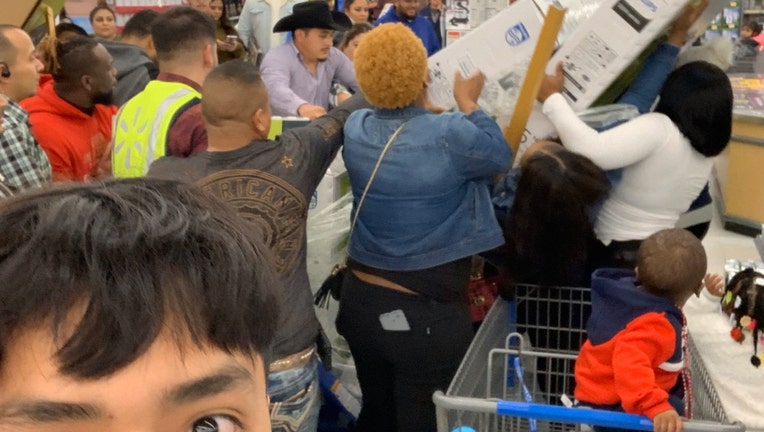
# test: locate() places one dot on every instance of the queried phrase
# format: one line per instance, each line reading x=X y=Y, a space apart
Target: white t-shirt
x=662 y=173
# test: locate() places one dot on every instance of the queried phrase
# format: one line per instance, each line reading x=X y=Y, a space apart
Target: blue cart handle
x=597 y=417
x=581 y=415
x=574 y=415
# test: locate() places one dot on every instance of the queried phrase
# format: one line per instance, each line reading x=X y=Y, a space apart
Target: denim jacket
x=429 y=203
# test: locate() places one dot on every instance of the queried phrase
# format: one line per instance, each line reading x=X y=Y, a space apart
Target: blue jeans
x=295 y=398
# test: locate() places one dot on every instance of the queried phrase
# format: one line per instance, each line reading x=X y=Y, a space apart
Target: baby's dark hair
x=671 y=264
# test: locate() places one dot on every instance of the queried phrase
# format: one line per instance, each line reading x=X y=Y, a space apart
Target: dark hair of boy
x=128 y=259
x=671 y=264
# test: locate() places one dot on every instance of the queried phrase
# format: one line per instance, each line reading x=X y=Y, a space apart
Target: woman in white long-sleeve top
x=666 y=155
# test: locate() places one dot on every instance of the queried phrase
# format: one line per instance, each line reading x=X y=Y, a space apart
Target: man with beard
x=299 y=73
x=405 y=12
x=71 y=115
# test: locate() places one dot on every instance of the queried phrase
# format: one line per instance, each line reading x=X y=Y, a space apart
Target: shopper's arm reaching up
x=615 y=148
x=476 y=144
x=467 y=91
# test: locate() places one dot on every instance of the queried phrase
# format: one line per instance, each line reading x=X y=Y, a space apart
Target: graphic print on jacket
x=274 y=205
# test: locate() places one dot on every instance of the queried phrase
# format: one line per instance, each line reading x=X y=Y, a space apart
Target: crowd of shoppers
x=193 y=265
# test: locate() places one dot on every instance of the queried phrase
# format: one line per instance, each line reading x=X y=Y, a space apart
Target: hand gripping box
x=599 y=50
x=501 y=48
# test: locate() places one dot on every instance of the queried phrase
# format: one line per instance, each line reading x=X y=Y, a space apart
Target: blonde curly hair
x=391 y=66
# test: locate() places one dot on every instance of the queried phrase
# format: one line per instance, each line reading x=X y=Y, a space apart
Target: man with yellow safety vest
x=166 y=117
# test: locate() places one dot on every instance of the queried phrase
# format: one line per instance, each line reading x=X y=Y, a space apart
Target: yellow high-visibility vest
x=141 y=126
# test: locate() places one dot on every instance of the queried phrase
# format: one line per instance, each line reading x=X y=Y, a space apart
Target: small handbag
x=481 y=292
x=333 y=284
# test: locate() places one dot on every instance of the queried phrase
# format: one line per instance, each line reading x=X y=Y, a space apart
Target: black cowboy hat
x=313 y=14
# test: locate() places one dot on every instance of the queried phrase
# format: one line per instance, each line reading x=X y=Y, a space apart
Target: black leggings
x=399 y=370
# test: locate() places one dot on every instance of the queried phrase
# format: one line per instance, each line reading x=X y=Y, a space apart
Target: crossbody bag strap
x=371 y=179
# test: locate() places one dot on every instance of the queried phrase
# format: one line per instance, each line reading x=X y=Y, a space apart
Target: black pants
x=399 y=370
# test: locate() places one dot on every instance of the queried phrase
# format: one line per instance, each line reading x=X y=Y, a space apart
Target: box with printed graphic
x=602 y=47
x=501 y=48
x=459 y=15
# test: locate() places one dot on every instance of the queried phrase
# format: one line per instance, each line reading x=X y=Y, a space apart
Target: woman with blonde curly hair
x=420 y=185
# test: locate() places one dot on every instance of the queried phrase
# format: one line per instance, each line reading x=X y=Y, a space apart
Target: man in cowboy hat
x=299 y=73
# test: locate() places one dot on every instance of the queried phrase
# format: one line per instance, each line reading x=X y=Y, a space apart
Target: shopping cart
x=505 y=384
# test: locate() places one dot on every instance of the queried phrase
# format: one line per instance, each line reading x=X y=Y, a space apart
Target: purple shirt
x=290 y=84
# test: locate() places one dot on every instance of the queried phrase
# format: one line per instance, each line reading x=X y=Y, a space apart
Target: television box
x=501 y=48
x=602 y=47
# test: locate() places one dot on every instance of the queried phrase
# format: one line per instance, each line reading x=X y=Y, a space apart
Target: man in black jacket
x=270 y=183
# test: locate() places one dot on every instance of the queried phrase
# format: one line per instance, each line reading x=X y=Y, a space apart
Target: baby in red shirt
x=635 y=352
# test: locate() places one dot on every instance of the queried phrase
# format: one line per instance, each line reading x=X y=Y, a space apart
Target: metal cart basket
x=505 y=384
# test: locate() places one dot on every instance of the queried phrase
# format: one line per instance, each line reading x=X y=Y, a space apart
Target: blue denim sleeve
x=648 y=83
x=503 y=194
x=476 y=145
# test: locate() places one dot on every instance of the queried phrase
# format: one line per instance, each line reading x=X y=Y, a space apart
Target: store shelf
x=753 y=12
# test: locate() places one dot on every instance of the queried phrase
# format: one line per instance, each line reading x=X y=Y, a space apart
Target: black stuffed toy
x=743 y=301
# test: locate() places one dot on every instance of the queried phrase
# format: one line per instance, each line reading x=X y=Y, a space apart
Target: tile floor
x=735 y=380
x=721 y=245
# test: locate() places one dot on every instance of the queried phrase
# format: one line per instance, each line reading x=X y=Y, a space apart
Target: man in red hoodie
x=71 y=115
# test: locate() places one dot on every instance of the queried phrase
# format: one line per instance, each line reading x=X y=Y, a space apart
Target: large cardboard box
x=501 y=48
x=602 y=47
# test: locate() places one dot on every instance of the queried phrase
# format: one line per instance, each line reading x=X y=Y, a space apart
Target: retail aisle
x=739 y=384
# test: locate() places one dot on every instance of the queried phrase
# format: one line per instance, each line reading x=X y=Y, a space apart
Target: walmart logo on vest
x=516 y=34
